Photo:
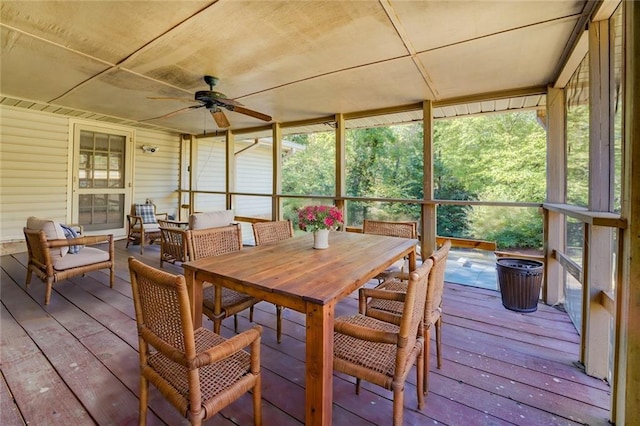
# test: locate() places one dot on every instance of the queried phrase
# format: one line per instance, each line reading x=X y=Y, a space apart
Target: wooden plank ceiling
x=292 y=60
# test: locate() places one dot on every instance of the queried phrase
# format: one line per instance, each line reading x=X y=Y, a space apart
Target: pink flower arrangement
x=313 y=218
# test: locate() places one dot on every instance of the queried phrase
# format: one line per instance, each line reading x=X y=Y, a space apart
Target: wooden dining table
x=292 y=274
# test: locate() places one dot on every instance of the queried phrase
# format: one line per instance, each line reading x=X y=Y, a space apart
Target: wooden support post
x=553 y=291
x=428 y=225
x=598 y=263
x=230 y=184
x=276 y=171
x=627 y=381
x=341 y=185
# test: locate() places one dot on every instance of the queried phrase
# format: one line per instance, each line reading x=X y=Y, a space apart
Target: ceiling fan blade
x=226 y=102
x=156 y=98
x=246 y=111
x=220 y=118
x=171 y=114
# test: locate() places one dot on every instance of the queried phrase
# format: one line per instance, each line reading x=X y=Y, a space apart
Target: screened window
x=577 y=100
x=384 y=162
x=308 y=162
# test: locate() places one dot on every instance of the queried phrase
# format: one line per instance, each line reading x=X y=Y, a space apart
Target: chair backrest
x=163 y=316
x=146 y=211
x=214 y=241
x=52 y=231
x=173 y=244
x=272 y=232
x=413 y=310
x=390 y=229
x=433 y=305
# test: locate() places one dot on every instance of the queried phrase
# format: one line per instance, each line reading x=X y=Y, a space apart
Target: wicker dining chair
x=271 y=233
x=383 y=351
x=199 y=372
x=219 y=302
x=389 y=229
x=379 y=308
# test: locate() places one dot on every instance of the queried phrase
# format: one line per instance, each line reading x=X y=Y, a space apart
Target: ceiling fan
x=214 y=102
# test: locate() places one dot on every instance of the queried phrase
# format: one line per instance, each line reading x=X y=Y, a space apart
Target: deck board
x=499 y=367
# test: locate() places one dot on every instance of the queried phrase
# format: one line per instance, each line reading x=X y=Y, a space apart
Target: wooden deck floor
x=75 y=361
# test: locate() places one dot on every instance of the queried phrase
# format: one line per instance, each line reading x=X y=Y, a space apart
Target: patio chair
x=173 y=242
x=379 y=308
x=142 y=225
x=197 y=371
x=270 y=233
x=219 y=302
x=173 y=245
x=384 y=351
x=389 y=229
x=49 y=257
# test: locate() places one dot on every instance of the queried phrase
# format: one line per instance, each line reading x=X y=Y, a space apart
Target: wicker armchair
x=173 y=242
x=270 y=233
x=49 y=257
x=389 y=229
x=379 y=308
x=197 y=371
x=219 y=302
x=384 y=351
x=142 y=225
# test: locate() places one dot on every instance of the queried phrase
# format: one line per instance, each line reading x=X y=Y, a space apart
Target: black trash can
x=520 y=281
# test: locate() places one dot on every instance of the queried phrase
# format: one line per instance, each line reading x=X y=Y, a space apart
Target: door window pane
x=101 y=169
x=101 y=211
x=101 y=160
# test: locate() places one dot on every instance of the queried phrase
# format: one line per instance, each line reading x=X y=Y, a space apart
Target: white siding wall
x=35 y=161
x=33 y=168
x=254 y=175
x=209 y=169
x=157 y=175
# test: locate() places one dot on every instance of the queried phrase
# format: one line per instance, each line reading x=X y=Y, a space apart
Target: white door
x=101 y=178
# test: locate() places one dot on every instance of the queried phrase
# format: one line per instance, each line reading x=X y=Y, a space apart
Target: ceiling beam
x=490 y=96
x=397 y=25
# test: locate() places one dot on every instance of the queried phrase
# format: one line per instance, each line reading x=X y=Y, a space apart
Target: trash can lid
x=514 y=262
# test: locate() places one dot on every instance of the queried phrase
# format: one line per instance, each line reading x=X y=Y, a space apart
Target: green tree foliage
x=310 y=171
x=384 y=162
x=451 y=219
x=499 y=157
x=578 y=155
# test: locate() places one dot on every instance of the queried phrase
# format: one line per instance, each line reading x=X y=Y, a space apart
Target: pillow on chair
x=70 y=233
x=211 y=219
x=146 y=212
x=53 y=231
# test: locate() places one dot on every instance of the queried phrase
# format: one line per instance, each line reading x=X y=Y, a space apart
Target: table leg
x=194 y=288
x=412 y=261
x=319 y=374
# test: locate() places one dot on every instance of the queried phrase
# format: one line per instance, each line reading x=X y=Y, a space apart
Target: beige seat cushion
x=148 y=227
x=86 y=256
x=211 y=219
x=52 y=230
